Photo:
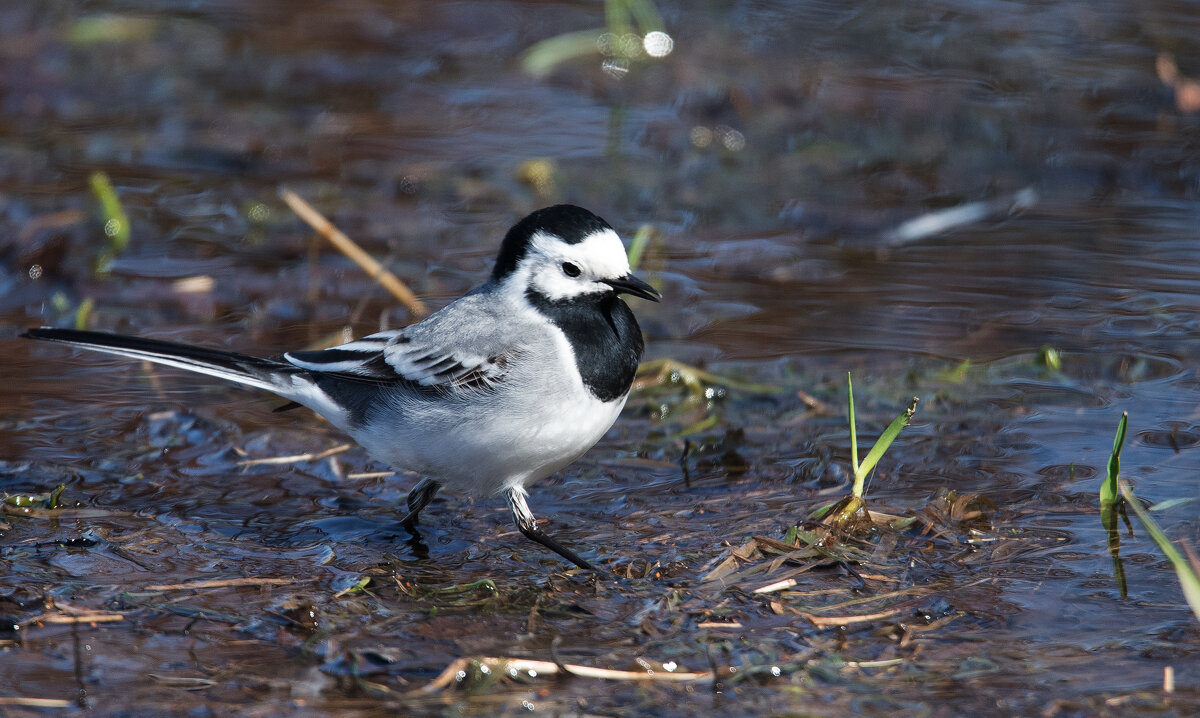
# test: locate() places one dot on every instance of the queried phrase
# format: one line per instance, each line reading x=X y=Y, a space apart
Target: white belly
x=487 y=448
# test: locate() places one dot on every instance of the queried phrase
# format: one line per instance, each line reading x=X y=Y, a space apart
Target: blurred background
x=990 y=205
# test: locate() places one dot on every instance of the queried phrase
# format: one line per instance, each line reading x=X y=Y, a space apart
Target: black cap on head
x=565 y=221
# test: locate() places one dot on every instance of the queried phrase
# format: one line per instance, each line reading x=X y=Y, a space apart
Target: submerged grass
x=1115 y=495
x=36 y=501
x=1111 y=507
x=699 y=408
x=698 y=382
x=1187 y=569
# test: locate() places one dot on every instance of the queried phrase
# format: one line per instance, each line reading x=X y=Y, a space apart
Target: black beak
x=630 y=284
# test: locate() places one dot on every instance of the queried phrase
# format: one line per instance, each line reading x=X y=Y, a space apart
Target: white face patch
x=601 y=255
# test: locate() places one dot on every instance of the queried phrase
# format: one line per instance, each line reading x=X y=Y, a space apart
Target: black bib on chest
x=604 y=335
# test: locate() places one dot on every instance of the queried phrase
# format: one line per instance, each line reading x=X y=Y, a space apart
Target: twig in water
x=296 y=458
x=513 y=667
x=34 y=702
x=82 y=618
x=369 y=475
x=222 y=583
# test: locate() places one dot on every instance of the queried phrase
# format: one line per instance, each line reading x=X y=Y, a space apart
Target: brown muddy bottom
x=209 y=556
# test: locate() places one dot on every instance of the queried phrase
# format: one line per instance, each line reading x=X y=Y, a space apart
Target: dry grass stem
x=34 y=702
x=370 y=475
x=297 y=458
x=350 y=248
x=83 y=618
x=222 y=583
x=913 y=592
x=777 y=586
x=812 y=402
x=731 y=562
x=514 y=667
x=882 y=663
x=827 y=621
x=199 y=284
x=54 y=220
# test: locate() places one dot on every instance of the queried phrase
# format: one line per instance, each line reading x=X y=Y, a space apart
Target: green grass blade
x=616 y=16
x=853 y=436
x=885 y=440
x=637 y=247
x=116 y=222
x=703 y=425
x=1171 y=503
x=646 y=15
x=84 y=312
x=54 y=496
x=956 y=374
x=1049 y=357
x=1188 y=578
x=541 y=59
x=1108 y=489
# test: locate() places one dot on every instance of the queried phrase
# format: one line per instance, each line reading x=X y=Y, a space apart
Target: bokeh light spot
x=658 y=44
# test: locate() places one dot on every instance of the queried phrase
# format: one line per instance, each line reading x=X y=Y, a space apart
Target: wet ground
x=779 y=151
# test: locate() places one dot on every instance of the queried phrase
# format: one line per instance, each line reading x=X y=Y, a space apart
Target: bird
x=502 y=387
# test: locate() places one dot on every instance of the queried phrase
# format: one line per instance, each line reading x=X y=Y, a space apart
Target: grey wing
x=454 y=348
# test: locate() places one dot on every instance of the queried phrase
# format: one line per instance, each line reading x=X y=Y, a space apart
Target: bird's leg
x=418 y=498
x=527 y=525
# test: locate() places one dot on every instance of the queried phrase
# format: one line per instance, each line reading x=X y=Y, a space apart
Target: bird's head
x=565 y=253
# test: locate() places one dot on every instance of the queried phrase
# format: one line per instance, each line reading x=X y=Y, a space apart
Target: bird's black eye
x=570 y=269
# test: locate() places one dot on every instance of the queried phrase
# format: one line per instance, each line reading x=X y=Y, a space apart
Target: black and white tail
x=302 y=385
x=274 y=376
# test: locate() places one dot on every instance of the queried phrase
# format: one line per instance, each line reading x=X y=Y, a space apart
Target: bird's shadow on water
x=376 y=532
x=398 y=534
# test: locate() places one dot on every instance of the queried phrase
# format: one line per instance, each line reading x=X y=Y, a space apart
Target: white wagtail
x=504 y=386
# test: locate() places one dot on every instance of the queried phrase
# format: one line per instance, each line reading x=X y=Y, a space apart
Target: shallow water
x=777 y=149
